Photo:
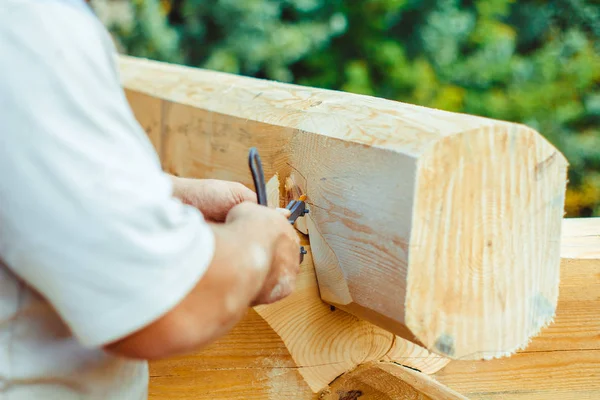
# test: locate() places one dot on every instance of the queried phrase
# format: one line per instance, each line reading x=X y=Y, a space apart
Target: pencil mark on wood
x=543 y=166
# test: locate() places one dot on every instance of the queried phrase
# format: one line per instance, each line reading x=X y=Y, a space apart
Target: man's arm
x=254 y=243
x=87 y=215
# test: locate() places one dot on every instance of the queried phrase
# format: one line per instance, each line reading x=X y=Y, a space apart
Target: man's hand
x=285 y=249
x=214 y=198
x=256 y=260
x=221 y=201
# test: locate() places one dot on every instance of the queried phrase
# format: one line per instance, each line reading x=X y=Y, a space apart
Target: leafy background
x=535 y=62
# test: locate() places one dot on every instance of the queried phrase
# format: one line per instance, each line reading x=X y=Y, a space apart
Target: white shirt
x=92 y=244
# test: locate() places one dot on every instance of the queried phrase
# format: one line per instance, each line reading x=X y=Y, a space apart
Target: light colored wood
x=547 y=395
x=422 y=383
x=251 y=362
x=581 y=238
x=325 y=342
x=542 y=374
x=410 y=355
x=481 y=252
x=563 y=362
x=439 y=227
x=387 y=381
x=148 y=110
x=273 y=192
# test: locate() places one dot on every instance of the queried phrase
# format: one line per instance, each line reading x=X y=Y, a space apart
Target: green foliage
x=534 y=62
x=149 y=34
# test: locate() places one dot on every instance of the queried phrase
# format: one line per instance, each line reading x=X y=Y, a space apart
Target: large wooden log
x=442 y=228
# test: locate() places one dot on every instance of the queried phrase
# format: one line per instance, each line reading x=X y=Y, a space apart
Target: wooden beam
x=564 y=361
x=251 y=362
x=442 y=228
x=254 y=361
x=387 y=381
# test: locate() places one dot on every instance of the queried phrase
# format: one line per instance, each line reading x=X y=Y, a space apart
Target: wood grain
x=291 y=349
x=387 y=381
x=325 y=342
x=499 y=265
x=526 y=374
x=251 y=362
x=149 y=111
x=580 y=238
x=279 y=354
x=254 y=362
x=563 y=362
x=476 y=203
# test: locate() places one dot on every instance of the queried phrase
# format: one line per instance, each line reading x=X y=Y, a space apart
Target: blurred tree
x=534 y=62
x=146 y=33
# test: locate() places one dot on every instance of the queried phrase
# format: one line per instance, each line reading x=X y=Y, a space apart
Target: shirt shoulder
x=51 y=27
x=58 y=57
x=88 y=217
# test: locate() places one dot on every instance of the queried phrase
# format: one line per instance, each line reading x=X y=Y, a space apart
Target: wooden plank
x=525 y=374
x=251 y=362
x=387 y=381
x=564 y=361
x=477 y=203
x=325 y=342
x=148 y=111
x=581 y=239
x=555 y=394
x=577 y=323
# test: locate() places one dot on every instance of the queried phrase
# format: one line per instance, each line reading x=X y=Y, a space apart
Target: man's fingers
x=286 y=213
x=241 y=193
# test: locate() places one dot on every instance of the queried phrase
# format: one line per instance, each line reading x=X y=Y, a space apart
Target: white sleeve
x=86 y=213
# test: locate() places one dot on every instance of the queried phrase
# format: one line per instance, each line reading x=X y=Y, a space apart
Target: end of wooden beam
x=484 y=253
x=468 y=267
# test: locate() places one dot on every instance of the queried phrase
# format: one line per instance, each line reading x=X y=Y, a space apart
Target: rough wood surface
x=326 y=342
x=564 y=361
x=476 y=203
